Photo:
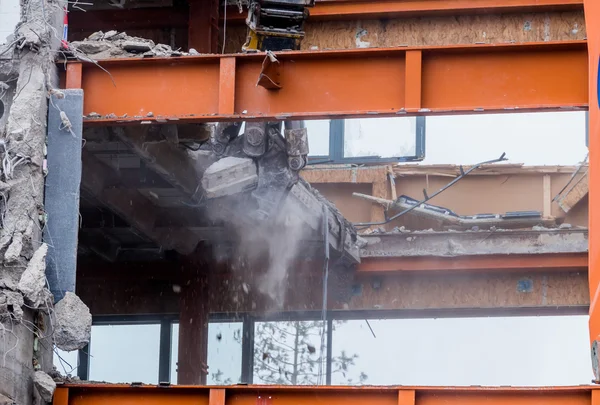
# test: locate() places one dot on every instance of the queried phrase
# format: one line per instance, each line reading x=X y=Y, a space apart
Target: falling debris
x=73 y=323
x=311 y=348
x=45 y=385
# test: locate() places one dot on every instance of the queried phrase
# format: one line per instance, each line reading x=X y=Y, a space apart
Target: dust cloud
x=262 y=252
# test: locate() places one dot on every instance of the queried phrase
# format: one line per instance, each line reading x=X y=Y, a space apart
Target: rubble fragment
x=112 y=44
x=137 y=46
x=33 y=279
x=73 y=323
x=45 y=385
x=11 y=304
x=4 y=400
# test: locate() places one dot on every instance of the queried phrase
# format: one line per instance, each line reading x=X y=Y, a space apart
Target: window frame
x=248 y=324
x=337 y=141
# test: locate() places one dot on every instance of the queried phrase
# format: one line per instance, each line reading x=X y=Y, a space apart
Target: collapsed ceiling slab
x=180 y=157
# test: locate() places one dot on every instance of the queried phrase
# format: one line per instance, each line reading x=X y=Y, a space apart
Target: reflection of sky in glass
x=469 y=351
x=382 y=137
x=549 y=138
x=125 y=353
x=224 y=353
x=174 y=351
x=448 y=351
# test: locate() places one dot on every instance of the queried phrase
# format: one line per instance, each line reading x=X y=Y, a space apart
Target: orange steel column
x=192 y=360
x=592 y=19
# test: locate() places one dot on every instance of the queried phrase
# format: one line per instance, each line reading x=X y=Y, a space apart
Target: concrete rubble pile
x=112 y=44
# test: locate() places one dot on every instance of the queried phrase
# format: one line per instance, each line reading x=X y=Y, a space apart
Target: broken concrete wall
x=27 y=76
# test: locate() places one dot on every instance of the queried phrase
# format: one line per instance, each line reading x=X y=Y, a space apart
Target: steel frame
x=92 y=394
x=248 y=324
x=412 y=81
x=592 y=17
x=384 y=82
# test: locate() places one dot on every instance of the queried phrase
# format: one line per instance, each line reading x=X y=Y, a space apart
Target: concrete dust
x=272 y=246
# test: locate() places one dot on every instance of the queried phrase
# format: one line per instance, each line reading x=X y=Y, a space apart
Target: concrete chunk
x=73 y=323
x=45 y=385
x=91 y=47
x=137 y=46
x=33 y=279
x=228 y=176
x=4 y=400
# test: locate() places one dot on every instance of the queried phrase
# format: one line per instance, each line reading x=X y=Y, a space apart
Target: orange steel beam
x=100 y=394
x=343 y=83
x=592 y=19
x=554 y=262
x=363 y=9
x=177 y=17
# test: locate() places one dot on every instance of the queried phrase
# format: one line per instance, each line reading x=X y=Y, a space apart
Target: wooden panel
x=430 y=30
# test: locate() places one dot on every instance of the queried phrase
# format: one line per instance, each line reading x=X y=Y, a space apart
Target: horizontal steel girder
x=92 y=394
x=334 y=84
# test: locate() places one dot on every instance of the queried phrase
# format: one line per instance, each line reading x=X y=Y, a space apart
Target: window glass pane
x=318 y=137
x=125 y=353
x=174 y=351
x=468 y=351
x=289 y=353
x=66 y=362
x=542 y=138
x=380 y=137
x=224 y=353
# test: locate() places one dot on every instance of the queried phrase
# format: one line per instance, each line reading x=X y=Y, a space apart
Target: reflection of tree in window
x=224 y=353
x=288 y=353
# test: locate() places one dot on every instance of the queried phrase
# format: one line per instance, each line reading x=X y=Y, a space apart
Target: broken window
x=533 y=351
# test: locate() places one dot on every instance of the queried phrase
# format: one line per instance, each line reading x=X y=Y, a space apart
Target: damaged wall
x=475 y=194
x=441 y=30
x=28 y=321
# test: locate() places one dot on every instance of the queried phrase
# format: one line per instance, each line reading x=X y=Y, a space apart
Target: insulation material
x=438 y=30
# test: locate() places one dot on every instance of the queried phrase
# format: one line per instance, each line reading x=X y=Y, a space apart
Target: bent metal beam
x=343 y=83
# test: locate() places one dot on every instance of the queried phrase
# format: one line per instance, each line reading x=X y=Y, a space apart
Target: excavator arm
x=275 y=25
